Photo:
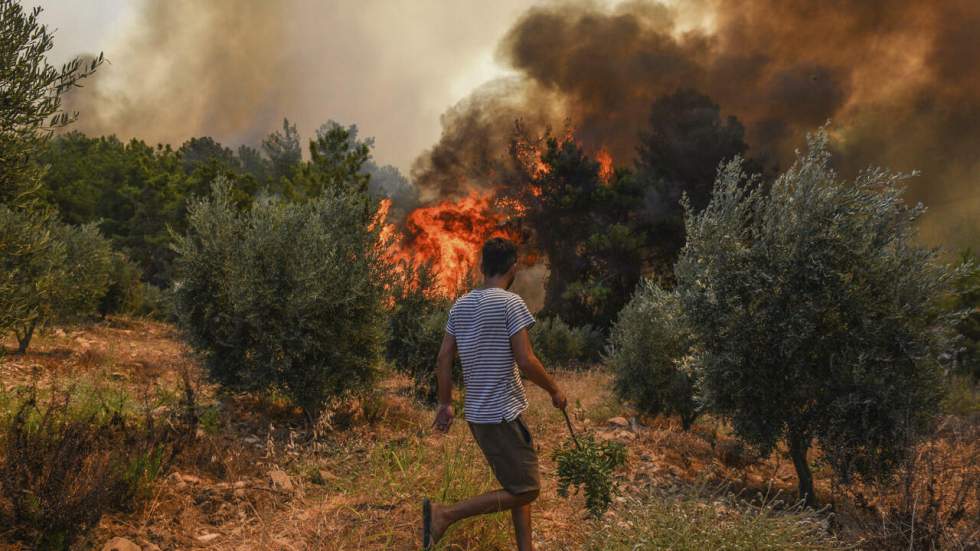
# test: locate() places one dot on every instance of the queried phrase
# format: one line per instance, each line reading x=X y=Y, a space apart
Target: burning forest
x=729 y=240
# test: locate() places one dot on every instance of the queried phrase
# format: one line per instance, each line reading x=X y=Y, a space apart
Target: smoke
x=898 y=80
x=191 y=68
x=232 y=69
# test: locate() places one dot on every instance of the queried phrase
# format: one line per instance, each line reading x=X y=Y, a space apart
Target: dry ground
x=258 y=481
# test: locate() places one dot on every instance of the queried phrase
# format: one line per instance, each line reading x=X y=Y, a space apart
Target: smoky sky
x=897 y=80
x=232 y=69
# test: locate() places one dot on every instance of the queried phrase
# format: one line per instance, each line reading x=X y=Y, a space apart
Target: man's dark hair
x=499 y=255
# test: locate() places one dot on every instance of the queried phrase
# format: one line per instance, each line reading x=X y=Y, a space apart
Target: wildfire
x=605 y=164
x=449 y=234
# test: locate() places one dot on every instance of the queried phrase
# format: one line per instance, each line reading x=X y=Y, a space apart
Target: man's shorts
x=510 y=452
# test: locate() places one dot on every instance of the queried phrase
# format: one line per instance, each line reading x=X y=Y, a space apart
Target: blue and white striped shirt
x=483 y=321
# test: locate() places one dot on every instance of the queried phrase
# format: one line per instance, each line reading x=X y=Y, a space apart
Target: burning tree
x=581 y=217
x=818 y=317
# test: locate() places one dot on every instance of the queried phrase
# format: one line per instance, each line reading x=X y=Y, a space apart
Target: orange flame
x=605 y=164
x=450 y=234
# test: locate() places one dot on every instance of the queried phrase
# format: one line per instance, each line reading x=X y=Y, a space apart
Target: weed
x=590 y=464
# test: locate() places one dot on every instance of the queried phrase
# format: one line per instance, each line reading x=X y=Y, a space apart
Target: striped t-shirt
x=483 y=321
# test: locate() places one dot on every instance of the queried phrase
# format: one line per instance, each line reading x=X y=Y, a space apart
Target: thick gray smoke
x=898 y=79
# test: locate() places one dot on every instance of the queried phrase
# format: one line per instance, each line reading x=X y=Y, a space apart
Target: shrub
x=967 y=300
x=29 y=257
x=416 y=326
x=53 y=272
x=125 y=291
x=85 y=277
x=589 y=464
x=155 y=303
x=284 y=296
x=558 y=344
x=63 y=464
x=650 y=354
x=817 y=314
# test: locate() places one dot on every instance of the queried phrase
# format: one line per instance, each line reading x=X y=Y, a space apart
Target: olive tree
x=30 y=258
x=817 y=313
x=650 y=354
x=51 y=272
x=284 y=295
x=31 y=91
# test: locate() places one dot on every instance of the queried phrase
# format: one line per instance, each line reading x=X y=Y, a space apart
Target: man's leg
x=490 y=502
x=522 y=526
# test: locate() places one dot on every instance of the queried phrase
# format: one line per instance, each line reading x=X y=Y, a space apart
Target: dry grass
x=357 y=482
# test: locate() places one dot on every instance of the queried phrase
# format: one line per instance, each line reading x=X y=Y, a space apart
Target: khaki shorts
x=510 y=452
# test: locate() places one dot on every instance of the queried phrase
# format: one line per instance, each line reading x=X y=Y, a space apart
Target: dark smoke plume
x=898 y=79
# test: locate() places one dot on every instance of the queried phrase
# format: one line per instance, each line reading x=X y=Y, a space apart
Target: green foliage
x=337 y=159
x=288 y=296
x=558 y=344
x=52 y=272
x=416 y=326
x=84 y=278
x=590 y=464
x=138 y=193
x=650 y=354
x=30 y=98
x=966 y=299
x=817 y=314
x=125 y=290
x=31 y=259
x=284 y=154
x=135 y=192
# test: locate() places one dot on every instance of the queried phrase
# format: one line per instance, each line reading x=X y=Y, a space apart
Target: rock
x=59 y=332
x=620 y=422
x=120 y=544
x=151 y=547
x=206 y=538
x=190 y=479
x=281 y=480
x=626 y=435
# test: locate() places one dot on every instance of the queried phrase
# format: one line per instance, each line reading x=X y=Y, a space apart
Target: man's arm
x=531 y=366
x=444 y=376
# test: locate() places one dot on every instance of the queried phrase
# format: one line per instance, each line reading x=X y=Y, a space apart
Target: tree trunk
x=25 y=339
x=798 y=446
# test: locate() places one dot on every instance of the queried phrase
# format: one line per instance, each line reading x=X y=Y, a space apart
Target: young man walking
x=488 y=328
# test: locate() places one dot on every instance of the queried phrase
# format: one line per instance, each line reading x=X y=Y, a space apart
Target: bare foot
x=439 y=522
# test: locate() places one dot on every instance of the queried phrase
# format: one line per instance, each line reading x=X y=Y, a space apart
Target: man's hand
x=559 y=400
x=444 y=418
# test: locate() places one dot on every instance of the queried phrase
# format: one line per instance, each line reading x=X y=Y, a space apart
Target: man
x=488 y=327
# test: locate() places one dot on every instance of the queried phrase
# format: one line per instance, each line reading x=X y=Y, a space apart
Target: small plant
x=584 y=462
x=68 y=459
